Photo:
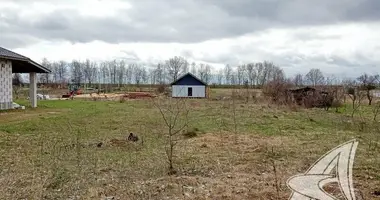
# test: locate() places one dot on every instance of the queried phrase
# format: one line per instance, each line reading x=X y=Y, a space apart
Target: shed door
x=190 y=92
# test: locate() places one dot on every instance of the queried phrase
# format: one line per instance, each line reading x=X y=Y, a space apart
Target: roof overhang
x=25 y=65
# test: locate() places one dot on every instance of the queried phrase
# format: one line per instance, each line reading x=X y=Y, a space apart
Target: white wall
x=5 y=84
x=181 y=90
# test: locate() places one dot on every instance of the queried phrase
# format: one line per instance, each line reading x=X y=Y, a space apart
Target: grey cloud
x=55 y=22
x=364 y=10
x=193 y=21
x=71 y=26
x=301 y=12
x=293 y=62
x=358 y=63
x=184 y=21
x=10 y=40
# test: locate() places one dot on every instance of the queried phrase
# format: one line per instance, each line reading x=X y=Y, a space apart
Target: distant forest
x=120 y=73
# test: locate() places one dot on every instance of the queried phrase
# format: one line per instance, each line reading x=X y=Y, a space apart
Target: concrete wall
x=181 y=91
x=5 y=84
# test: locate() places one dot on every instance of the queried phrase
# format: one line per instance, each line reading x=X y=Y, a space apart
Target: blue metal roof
x=188 y=79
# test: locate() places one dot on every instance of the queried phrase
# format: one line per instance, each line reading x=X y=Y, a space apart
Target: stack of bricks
x=5 y=85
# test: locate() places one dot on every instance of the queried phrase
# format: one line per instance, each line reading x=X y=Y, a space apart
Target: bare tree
x=152 y=76
x=17 y=79
x=185 y=68
x=355 y=95
x=46 y=77
x=174 y=113
x=104 y=72
x=228 y=73
x=298 y=80
x=159 y=74
x=267 y=70
x=204 y=72
x=76 y=72
x=368 y=83
x=138 y=74
x=233 y=77
x=240 y=74
x=315 y=77
x=331 y=80
x=112 y=68
x=89 y=71
x=219 y=76
x=174 y=67
x=194 y=68
x=260 y=77
x=144 y=74
x=129 y=73
x=121 y=72
x=17 y=83
x=54 y=72
x=277 y=74
x=62 y=71
x=251 y=73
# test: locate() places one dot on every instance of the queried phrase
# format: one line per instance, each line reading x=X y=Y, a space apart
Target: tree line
x=118 y=72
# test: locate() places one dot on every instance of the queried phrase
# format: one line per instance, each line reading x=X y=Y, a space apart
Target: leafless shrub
x=338 y=97
x=324 y=100
x=356 y=97
x=367 y=84
x=161 y=89
x=336 y=104
x=376 y=111
x=277 y=91
x=175 y=114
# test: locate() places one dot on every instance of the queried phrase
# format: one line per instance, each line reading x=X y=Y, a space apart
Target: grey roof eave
x=29 y=61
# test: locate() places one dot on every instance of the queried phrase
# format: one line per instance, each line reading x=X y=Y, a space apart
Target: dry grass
x=52 y=152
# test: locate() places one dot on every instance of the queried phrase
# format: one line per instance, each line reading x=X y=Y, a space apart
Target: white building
x=189 y=86
x=11 y=62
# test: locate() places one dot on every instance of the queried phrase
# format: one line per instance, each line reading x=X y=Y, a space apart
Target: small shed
x=312 y=97
x=189 y=86
x=299 y=94
x=11 y=62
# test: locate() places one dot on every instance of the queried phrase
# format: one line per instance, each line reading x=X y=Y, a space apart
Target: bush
x=161 y=89
x=277 y=91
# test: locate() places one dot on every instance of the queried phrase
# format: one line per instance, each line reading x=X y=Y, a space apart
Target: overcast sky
x=340 y=37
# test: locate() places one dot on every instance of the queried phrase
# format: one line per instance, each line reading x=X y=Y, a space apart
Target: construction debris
x=43 y=97
x=116 y=96
x=17 y=106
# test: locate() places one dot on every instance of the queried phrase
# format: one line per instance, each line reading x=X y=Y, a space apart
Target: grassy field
x=51 y=152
